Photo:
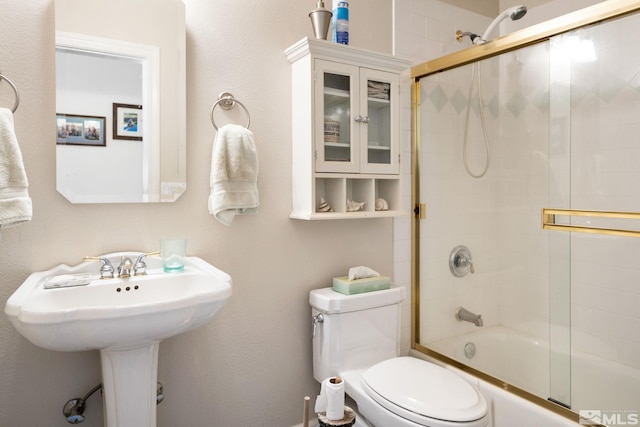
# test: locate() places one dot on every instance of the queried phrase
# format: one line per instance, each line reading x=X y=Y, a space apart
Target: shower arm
x=460 y=35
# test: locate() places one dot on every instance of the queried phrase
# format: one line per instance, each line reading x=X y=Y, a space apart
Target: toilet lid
x=423 y=388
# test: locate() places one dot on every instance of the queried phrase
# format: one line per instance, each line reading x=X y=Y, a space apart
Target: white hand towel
x=15 y=204
x=234 y=174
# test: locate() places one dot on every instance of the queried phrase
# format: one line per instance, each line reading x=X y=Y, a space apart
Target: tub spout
x=462 y=314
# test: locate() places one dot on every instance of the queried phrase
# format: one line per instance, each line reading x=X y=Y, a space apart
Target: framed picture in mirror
x=72 y=129
x=127 y=121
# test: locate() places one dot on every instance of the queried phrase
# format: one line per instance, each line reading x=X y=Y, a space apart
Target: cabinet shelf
x=345 y=215
x=338 y=93
x=379 y=101
x=337 y=144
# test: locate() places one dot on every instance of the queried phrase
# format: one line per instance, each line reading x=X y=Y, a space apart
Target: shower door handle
x=549 y=221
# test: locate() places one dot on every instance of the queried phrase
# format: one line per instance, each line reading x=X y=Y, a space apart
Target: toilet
x=356 y=337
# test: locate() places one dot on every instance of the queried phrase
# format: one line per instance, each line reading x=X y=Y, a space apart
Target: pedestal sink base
x=129 y=379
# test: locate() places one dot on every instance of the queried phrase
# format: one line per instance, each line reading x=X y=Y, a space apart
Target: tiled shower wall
x=496 y=216
x=605 y=172
x=423 y=30
x=604 y=279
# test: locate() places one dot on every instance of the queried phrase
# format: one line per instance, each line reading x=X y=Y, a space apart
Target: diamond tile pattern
x=438 y=98
x=517 y=103
x=607 y=88
x=459 y=101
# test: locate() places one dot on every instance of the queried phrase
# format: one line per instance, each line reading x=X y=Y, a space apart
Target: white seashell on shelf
x=324 y=206
x=354 y=206
x=381 y=204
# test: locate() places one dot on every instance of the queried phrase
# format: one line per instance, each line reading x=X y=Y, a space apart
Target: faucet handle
x=460 y=262
x=106 y=270
x=140 y=267
x=464 y=260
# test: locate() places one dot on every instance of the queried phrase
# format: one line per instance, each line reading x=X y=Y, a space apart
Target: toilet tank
x=357 y=331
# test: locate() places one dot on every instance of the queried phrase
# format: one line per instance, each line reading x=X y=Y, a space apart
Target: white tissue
x=331 y=398
x=362 y=272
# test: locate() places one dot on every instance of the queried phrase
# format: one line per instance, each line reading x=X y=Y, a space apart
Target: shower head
x=514 y=13
x=518 y=13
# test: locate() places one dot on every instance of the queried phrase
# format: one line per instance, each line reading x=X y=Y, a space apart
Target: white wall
x=252 y=365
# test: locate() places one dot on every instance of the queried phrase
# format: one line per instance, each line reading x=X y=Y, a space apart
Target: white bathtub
x=523 y=361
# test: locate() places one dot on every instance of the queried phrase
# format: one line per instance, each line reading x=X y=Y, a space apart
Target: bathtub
x=523 y=361
x=596 y=382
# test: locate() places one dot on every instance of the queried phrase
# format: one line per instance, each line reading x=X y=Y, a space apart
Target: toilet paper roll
x=331 y=398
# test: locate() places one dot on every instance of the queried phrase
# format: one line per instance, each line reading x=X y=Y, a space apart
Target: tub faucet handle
x=463 y=260
x=460 y=261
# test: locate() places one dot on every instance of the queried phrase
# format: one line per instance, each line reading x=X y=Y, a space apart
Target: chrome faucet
x=106 y=270
x=140 y=267
x=462 y=314
x=125 y=268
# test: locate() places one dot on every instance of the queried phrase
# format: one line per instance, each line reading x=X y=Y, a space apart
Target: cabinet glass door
x=336 y=90
x=379 y=120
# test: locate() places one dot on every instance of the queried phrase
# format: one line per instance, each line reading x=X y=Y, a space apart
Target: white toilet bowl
x=409 y=392
x=358 y=341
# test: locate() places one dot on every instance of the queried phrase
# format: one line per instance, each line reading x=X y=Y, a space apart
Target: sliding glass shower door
x=553 y=125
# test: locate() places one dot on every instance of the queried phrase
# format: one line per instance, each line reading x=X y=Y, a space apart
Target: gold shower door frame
x=604 y=11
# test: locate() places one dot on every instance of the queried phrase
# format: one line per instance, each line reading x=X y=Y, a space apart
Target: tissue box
x=358 y=286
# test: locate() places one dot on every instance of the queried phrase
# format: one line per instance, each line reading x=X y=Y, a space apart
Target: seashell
x=354 y=206
x=324 y=206
x=381 y=204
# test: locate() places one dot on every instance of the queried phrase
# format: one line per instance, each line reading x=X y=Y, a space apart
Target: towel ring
x=226 y=101
x=15 y=90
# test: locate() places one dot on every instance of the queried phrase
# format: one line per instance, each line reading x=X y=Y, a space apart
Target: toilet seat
x=423 y=392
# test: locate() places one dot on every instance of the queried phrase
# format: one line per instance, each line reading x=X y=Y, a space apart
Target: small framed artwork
x=72 y=129
x=127 y=122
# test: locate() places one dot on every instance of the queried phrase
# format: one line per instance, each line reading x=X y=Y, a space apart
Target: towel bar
x=15 y=90
x=226 y=101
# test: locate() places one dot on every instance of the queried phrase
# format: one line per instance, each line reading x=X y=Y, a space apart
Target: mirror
x=120 y=100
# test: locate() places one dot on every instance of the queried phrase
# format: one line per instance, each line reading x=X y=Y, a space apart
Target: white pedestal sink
x=125 y=319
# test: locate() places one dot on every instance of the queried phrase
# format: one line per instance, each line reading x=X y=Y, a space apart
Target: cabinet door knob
x=365 y=119
x=359 y=118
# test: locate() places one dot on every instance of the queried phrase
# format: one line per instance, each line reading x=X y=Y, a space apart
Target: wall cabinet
x=345 y=130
